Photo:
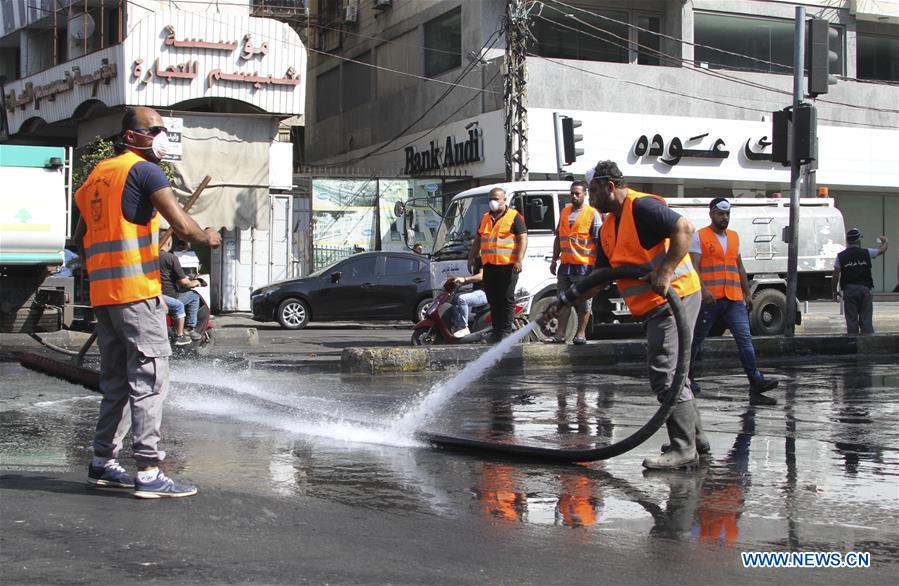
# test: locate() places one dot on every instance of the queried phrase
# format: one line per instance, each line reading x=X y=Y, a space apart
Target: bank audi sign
x=456 y=151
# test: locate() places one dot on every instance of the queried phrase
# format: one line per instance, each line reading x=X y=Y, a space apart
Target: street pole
x=795 y=173
x=515 y=91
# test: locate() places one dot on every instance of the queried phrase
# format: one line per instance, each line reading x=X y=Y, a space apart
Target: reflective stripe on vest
x=719 y=270
x=624 y=249
x=122 y=258
x=575 y=240
x=497 y=240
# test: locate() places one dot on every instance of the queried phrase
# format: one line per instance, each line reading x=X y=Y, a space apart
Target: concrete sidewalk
x=386 y=347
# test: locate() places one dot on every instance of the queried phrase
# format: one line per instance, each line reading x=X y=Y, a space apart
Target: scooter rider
x=463 y=302
x=641 y=230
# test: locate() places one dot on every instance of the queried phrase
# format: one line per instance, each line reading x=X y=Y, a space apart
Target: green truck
x=35 y=221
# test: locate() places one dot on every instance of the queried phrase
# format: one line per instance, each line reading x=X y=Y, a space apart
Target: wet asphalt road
x=302 y=480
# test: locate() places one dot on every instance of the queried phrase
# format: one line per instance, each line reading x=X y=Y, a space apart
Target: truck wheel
x=550 y=328
x=769 y=313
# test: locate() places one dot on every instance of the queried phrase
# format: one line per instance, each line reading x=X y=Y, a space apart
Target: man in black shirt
x=178 y=287
x=852 y=274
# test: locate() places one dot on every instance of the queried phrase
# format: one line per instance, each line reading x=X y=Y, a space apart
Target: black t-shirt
x=144 y=179
x=170 y=273
x=654 y=221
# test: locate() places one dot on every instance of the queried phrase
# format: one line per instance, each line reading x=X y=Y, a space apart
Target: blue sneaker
x=161 y=487
x=110 y=476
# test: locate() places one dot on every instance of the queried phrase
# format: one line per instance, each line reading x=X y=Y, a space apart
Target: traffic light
x=799 y=126
x=819 y=56
x=570 y=139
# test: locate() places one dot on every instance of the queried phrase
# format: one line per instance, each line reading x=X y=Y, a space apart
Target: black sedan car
x=369 y=286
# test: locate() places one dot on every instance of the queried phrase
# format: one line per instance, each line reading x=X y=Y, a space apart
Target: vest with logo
x=624 y=249
x=497 y=239
x=122 y=257
x=855 y=267
x=575 y=240
x=719 y=270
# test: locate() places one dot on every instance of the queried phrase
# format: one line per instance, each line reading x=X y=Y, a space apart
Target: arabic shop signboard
x=175 y=56
x=169 y=58
x=441 y=155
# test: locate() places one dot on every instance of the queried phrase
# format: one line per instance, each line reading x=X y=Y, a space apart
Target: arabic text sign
x=175 y=127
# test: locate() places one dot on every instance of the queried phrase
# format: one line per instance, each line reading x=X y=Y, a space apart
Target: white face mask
x=160 y=146
x=494 y=205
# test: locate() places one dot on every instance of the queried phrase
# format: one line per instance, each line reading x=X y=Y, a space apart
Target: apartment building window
x=356 y=88
x=877 y=57
x=616 y=36
x=327 y=89
x=752 y=43
x=443 y=43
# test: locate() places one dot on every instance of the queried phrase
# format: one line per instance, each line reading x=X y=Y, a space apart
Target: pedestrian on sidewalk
x=576 y=242
x=641 y=230
x=501 y=242
x=715 y=252
x=852 y=282
x=119 y=233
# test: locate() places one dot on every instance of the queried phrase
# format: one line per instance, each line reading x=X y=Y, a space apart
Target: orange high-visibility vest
x=624 y=249
x=719 y=270
x=575 y=240
x=122 y=257
x=497 y=241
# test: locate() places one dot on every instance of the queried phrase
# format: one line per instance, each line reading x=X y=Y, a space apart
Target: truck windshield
x=458 y=227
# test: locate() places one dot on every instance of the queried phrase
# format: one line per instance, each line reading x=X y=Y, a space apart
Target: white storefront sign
x=169 y=58
x=710 y=149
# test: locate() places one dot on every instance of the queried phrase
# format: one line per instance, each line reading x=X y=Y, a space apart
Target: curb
x=769 y=350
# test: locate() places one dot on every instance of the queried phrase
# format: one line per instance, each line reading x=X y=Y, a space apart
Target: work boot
x=703 y=447
x=763 y=386
x=681 y=424
x=760 y=399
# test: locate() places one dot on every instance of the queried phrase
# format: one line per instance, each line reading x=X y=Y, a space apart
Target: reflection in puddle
x=817 y=472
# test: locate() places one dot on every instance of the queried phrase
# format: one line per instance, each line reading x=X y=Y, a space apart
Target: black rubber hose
x=601 y=452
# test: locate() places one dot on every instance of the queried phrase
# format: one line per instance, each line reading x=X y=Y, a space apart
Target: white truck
x=759 y=222
x=34 y=223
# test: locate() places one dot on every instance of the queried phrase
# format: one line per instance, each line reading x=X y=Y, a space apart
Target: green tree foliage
x=98 y=150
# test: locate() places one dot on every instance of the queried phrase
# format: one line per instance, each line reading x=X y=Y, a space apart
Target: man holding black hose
x=641 y=230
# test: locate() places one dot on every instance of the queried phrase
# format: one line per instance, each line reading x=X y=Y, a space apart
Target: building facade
x=224 y=81
x=680 y=94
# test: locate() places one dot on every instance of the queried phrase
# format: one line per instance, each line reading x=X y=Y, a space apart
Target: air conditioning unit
x=351 y=11
x=383 y=4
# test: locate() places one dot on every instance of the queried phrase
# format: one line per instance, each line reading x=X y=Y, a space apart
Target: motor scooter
x=435 y=327
x=204 y=327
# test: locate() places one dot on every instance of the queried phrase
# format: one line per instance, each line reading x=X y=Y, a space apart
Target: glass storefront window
x=443 y=43
x=752 y=43
x=877 y=57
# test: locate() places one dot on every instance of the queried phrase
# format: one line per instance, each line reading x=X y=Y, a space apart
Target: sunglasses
x=153 y=130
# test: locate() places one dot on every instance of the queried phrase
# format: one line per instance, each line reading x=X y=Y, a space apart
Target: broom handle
x=190 y=202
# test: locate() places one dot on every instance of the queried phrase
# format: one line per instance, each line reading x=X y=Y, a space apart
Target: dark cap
x=720 y=203
x=853 y=235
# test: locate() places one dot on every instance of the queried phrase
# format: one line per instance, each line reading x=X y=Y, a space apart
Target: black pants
x=499 y=285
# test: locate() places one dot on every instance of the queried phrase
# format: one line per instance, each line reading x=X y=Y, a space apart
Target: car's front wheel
x=293 y=314
x=423 y=306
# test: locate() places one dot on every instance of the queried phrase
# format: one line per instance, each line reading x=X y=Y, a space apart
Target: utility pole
x=515 y=91
x=795 y=174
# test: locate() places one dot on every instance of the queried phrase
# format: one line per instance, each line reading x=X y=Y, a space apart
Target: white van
x=759 y=222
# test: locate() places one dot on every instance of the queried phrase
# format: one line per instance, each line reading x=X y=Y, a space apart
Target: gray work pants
x=662 y=346
x=858 y=303
x=134 y=378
